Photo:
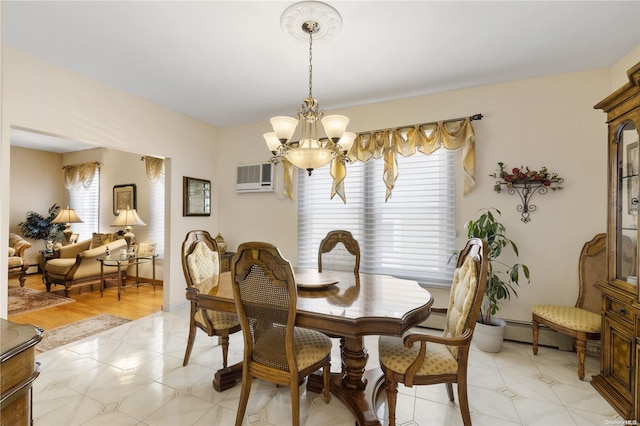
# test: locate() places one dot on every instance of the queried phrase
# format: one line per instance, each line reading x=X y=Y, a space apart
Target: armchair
x=18 y=264
x=76 y=264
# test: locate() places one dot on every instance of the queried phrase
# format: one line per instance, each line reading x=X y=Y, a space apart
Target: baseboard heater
x=520 y=331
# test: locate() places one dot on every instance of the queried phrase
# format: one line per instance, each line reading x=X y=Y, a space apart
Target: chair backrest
x=339 y=251
x=264 y=289
x=467 y=291
x=592 y=270
x=200 y=261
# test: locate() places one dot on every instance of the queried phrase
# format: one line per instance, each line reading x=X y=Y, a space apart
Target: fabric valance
x=153 y=166
x=79 y=174
x=387 y=144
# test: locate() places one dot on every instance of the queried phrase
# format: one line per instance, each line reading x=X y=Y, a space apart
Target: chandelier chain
x=310 y=60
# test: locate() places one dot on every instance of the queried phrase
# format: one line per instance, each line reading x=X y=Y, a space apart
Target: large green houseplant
x=501 y=277
x=39 y=227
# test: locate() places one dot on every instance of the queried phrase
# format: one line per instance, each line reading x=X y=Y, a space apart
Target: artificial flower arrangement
x=524 y=175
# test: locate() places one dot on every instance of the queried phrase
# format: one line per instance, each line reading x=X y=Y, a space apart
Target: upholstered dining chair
x=582 y=321
x=275 y=350
x=201 y=267
x=421 y=359
x=339 y=251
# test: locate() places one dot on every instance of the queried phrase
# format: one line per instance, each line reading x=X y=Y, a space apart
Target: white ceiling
x=229 y=63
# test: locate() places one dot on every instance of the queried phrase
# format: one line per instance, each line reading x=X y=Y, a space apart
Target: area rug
x=23 y=300
x=77 y=330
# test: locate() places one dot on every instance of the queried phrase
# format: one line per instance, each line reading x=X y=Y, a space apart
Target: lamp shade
x=334 y=126
x=346 y=141
x=128 y=217
x=284 y=127
x=272 y=141
x=67 y=216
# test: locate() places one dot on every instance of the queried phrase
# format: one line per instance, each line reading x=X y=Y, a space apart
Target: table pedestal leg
x=226 y=378
x=355 y=387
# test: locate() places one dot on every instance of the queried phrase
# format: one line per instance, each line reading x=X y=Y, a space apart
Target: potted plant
x=502 y=278
x=39 y=227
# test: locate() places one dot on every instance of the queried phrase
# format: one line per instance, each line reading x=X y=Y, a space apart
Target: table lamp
x=127 y=217
x=67 y=216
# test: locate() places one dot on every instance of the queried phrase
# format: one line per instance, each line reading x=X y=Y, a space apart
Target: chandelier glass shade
x=311 y=151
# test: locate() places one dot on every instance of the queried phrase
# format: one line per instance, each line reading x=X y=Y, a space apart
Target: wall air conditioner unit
x=255 y=178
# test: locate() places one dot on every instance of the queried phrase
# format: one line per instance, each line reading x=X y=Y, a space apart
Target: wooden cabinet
x=18 y=370
x=619 y=381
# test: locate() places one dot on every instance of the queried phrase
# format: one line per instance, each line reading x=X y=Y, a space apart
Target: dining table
x=348 y=306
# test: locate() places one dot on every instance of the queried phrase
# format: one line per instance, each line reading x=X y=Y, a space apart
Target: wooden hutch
x=619 y=381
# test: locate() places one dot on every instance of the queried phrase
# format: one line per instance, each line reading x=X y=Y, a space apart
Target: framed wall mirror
x=196 y=194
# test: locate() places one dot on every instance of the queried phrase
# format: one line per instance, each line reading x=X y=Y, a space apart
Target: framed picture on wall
x=124 y=196
x=196 y=194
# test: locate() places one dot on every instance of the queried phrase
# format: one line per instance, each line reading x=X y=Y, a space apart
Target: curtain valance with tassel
x=387 y=144
x=79 y=174
x=153 y=167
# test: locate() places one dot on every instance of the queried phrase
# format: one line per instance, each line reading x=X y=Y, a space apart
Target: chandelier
x=311 y=151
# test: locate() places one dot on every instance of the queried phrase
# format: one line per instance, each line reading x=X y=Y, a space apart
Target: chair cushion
x=12 y=251
x=309 y=347
x=220 y=320
x=461 y=298
x=204 y=267
x=15 y=262
x=397 y=357
x=570 y=317
x=59 y=266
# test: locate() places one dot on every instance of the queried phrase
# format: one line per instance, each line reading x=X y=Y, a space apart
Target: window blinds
x=85 y=200
x=410 y=236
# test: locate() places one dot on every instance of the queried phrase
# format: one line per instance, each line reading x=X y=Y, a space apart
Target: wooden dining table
x=355 y=306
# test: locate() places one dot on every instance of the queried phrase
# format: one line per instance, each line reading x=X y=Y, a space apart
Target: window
x=156 y=212
x=410 y=236
x=86 y=202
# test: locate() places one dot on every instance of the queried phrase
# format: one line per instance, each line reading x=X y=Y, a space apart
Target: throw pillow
x=98 y=240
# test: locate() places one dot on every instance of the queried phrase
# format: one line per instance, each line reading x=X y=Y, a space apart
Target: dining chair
x=339 y=251
x=201 y=267
x=421 y=359
x=275 y=350
x=582 y=321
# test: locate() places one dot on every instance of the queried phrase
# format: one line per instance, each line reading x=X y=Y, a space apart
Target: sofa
x=77 y=264
x=18 y=264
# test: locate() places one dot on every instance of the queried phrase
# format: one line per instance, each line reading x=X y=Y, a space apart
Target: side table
x=225 y=261
x=130 y=259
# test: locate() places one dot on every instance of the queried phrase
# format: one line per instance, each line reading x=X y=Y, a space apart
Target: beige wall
x=35 y=185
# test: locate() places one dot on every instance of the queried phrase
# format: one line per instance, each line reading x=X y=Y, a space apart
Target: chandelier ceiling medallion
x=309 y=20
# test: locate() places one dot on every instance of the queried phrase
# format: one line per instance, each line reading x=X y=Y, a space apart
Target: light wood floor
x=134 y=303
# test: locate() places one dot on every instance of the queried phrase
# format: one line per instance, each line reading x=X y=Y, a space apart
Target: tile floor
x=133 y=375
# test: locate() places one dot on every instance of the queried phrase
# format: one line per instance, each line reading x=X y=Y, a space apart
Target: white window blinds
x=156 y=210
x=410 y=236
x=85 y=200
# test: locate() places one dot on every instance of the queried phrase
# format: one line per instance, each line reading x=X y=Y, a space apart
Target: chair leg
x=326 y=376
x=244 y=396
x=449 y=390
x=223 y=340
x=463 y=400
x=581 y=348
x=535 y=328
x=295 y=402
x=191 y=340
x=391 y=388
x=22 y=279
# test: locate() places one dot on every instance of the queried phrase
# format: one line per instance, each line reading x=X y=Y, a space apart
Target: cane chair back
x=275 y=350
x=339 y=251
x=420 y=359
x=582 y=322
x=201 y=268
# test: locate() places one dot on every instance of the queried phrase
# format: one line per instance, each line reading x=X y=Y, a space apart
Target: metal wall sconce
x=526 y=183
